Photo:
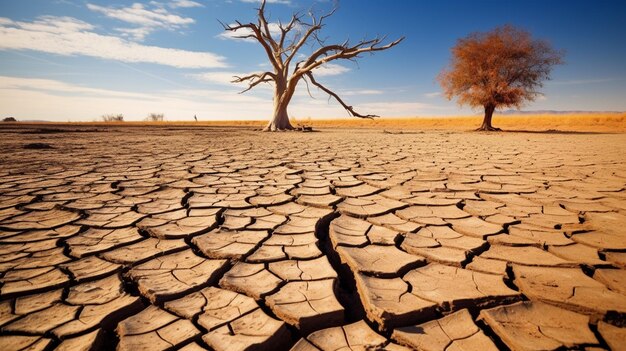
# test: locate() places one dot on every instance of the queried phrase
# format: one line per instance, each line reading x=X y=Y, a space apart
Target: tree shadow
x=551 y=131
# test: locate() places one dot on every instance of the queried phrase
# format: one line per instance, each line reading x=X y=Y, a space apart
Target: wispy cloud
x=220 y=77
x=434 y=94
x=138 y=14
x=146 y=19
x=85 y=103
x=55 y=86
x=184 y=4
x=139 y=33
x=361 y=92
x=69 y=36
x=330 y=69
x=5 y=21
x=583 y=81
x=225 y=78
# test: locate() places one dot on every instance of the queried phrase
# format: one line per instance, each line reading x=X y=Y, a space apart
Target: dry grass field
x=203 y=237
x=580 y=122
x=611 y=122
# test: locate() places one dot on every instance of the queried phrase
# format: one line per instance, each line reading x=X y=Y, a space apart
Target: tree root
x=488 y=129
x=287 y=129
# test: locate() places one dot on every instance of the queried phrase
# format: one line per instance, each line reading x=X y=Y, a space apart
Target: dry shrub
x=113 y=118
x=155 y=117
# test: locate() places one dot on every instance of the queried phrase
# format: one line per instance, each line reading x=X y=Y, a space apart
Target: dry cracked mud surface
x=182 y=238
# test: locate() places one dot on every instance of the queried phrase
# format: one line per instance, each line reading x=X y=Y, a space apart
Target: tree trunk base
x=488 y=129
x=275 y=129
x=279 y=122
x=486 y=125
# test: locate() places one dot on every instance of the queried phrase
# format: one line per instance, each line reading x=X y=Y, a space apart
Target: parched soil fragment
x=170 y=276
x=253 y=331
x=229 y=244
x=355 y=336
x=457 y=288
x=538 y=326
x=154 y=329
x=307 y=305
x=456 y=331
x=569 y=288
x=389 y=303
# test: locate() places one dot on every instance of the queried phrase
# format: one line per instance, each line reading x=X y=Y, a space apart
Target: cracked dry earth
x=143 y=238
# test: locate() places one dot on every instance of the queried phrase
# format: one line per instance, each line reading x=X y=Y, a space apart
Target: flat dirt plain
x=192 y=238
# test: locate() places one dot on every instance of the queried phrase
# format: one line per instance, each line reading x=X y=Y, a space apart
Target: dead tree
x=283 y=48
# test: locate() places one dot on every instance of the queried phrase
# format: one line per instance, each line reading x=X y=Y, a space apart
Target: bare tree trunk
x=282 y=48
x=280 y=119
x=489 y=109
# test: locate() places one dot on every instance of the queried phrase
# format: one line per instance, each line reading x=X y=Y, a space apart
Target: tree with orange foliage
x=498 y=69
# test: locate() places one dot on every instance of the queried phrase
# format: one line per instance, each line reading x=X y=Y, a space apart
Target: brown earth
x=193 y=238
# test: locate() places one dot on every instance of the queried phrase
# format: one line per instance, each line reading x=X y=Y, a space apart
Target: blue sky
x=77 y=60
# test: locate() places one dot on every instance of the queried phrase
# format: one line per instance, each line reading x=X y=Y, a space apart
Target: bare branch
x=234 y=28
x=335 y=52
x=314 y=27
x=256 y=34
x=284 y=30
x=254 y=79
x=265 y=29
x=350 y=109
x=306 y=82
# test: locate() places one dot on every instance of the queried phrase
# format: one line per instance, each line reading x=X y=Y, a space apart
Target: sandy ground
x=180 y=237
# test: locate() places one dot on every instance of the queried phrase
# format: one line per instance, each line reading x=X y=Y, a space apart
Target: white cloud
x=56 y=86
x=222 y=77
x=330 y=69
x=138 y=14
x=52 y=24
x=57 y=100
x=69 y=36
x=184 y=3
x=139 y=33
x=147 y=19
x=433 y=94
x=361 y=92
x=5 y=21
x=225 y=78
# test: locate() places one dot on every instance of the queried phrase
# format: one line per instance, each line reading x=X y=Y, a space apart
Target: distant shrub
x=113 y=118
x=155 y=117
x=9 y=119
